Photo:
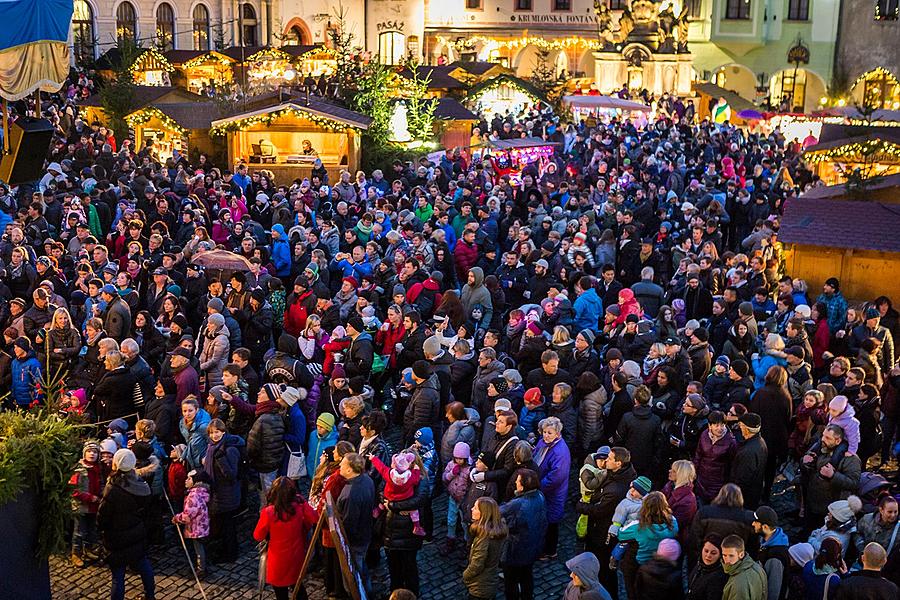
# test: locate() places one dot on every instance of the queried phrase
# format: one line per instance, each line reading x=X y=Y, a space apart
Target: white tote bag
x=296 y=466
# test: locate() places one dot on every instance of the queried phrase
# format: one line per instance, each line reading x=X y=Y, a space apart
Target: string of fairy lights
x=151 y=112
x=268 y=118
x=569 y=43
x=871 y=150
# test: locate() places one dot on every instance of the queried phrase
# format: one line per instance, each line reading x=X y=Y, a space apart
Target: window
x=886 y=10
x=562 y=4
x=201 y=27
x=294 y=37
x=391 y=45
x=165 y=26
x=737 y=9
x=126 y=22
x=248 y=31
x=524 y=5
x=695 y=9
x=473 y=5
x=83 y=32
x=618 y=4
x=798 y=10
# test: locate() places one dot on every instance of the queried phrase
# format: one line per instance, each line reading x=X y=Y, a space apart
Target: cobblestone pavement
x=440 y=574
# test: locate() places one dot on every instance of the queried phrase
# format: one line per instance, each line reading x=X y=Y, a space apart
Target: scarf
x=514 y=330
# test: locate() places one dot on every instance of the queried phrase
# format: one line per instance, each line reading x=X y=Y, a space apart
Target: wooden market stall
x=510 y=157
x=152 y=68
x=274 y=137
x=199 y=71
x=142 y=96
x=844 y=148
x=179 y=128
x=826 y=234
x=453 y=123
x=312 y=60
x=504 y=94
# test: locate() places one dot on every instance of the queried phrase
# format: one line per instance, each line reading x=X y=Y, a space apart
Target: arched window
x=391 y=46
x=126 y=22
x=201 y=27
x=248 y=14
x=295 y=37
x=83 y=32
x=165 y=26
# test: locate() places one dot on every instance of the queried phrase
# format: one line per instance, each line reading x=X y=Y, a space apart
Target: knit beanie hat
x=500 y=384
x=740 y=367
x=462 y=450
x=109 y=446
x=838 y=403
x=123 y=460
x=642 y=485
x=802 y=553
x=325 y=421
x=669 y=549
x=273 y=391
x=488 y=458
x=533 y=396
x=751 y=421
x=588 y=336
x=844 y=510
x=425 y=436
x=421 y=369
x=512 y=376
x=338 y=372
x=724 y=361
x=216 y=304
x=502 y=404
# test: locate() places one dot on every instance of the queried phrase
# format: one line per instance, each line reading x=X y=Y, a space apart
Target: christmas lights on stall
x=144 y=115
x=267 y=119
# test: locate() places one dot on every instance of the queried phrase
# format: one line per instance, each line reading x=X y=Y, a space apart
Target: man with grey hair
x=139 y=369
x=650 y=295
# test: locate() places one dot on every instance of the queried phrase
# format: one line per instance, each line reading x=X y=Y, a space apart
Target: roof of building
x=112 y=59
x=853 y=224
x=475 y=67
x=313 y=105
x=192 y=115
x=176 y=57
x=839 y=191
x=145 y=95
x=450 y=109
x=242 y=52
x=440 y=77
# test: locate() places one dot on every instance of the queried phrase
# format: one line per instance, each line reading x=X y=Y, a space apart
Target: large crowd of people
x=608 y=337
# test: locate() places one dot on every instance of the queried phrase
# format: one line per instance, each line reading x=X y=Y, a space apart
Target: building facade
x=867 y=57
x=742 y=45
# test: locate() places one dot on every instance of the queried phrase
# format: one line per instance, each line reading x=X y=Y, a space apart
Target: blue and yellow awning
x=34 y=51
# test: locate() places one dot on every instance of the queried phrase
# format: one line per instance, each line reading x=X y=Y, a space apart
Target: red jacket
x=287 y=541
x=385 y=341
x=176 y=477
x=820 y=342
x=297 y=311
x=465 y=257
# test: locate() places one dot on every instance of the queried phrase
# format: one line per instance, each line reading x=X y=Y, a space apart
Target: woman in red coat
x=286 y=523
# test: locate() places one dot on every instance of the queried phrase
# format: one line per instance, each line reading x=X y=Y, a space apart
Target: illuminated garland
x=145 y=114
x=848 y=152
x=206 y=59
x=501 y=81
x=269 y=54
x=876 y=72
x=151 y=52
x=267 y=119
x=312 y=53
x=518 y=43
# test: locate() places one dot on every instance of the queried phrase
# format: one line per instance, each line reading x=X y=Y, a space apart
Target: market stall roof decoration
x=450 y=109
x=179 y=116
x=512 y=81
x=878 y=118
x=151 y=60
x=145 y=95
x=34 y=51
x=517 y=143
x=878 y=146
x=323 y=113
x=592 y=102
x=187 y=59
x=841 y=224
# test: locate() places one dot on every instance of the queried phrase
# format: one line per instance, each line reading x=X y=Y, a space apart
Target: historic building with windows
x=780 y=51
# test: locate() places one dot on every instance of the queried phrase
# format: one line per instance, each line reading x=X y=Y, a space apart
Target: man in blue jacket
x=588 y=306
x=281 y=251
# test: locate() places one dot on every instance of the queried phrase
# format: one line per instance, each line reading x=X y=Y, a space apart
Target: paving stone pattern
x=440 y=575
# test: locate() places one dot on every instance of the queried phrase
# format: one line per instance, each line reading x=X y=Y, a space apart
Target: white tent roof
x=590 y=102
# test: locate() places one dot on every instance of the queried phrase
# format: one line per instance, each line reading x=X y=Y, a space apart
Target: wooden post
x=308 y=557
x=5 y=126
x=37 y=104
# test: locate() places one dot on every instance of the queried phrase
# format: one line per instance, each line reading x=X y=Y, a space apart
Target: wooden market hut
x=441 y=83
x=152 y=68
x=181 y=126
x=196 y=70
x=272 y=137
x=142 y=96
x=312 y=60
x=843 y=148
x=453 y=123
x=503 y=94
x=828 y=234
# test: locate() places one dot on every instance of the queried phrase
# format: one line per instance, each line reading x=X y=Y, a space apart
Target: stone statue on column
x=604 y=23
x=682 y=27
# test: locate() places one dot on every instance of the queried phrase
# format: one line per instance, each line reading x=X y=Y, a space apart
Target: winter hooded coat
x=590 y=420
x=423 y=410
x=265 y=442
x=567 y=414
x=214 y=355
x=850 y=424
x=712 y=462
x=587 y=567
x=746 y=581
x=281 y=252
x=588 y=310
x=195 y=516
x=773 y=405
x=287 y=541
x=659 y=578
x=638 y=432
x=222 y=463
x=648 y=538
x=553 y=462
x=477 y=294
x=481 y=573
x=26 y=373
x=465 y=430
x=120 y=518
x=628 y=305
x=526 y=517
x=195 y=438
